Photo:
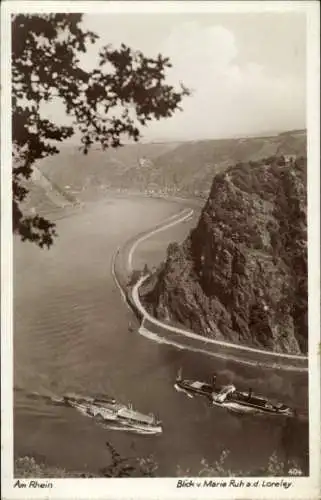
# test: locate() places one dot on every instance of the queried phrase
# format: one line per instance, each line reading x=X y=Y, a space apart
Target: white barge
x=109 y=411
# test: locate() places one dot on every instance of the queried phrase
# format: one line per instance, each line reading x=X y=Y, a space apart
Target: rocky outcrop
x=241 y=275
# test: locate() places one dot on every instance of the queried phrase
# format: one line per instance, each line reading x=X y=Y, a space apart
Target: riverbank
x=181 y=338
x=74 y=334
x=225 y=350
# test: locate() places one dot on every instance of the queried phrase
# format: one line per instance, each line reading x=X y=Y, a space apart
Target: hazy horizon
x=247 y=71
x=74 y=141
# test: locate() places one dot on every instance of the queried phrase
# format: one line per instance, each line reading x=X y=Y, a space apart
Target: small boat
x=193 y=387
x=228 y=397
x=106 y=410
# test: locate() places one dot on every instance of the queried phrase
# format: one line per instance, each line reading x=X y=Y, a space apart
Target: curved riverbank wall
x=185 y=339
x=122 y=266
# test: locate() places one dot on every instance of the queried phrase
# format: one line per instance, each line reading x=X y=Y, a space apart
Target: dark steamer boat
x=194 y=387
x=230 y=398
x=247 y=402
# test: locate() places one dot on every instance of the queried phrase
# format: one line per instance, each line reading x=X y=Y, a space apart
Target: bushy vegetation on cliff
x=241 y=275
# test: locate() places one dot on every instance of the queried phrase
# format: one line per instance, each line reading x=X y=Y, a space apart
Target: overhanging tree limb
x=113 y=101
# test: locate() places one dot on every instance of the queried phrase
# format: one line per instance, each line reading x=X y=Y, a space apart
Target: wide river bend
x=74 y=333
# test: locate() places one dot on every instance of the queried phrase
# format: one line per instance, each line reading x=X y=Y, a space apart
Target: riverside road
x=183 y=338
x=73 y=333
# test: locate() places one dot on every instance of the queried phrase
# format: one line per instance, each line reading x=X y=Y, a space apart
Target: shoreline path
x=152 y=328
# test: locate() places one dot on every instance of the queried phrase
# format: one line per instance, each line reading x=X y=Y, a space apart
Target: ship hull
x=109 y=413
x=236 y=407
x=187 y=386
x=237 y=402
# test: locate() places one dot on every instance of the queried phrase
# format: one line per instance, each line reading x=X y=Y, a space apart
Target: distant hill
x=191 y=166
x=44 y=196
x=173 y=168
x=79 y=173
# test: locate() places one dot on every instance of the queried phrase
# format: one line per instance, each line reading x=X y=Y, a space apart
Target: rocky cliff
x=241 y=275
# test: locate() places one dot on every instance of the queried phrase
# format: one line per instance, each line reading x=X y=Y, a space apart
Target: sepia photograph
x=160 y=250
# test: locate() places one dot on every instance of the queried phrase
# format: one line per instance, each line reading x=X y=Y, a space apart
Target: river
x=73 y=333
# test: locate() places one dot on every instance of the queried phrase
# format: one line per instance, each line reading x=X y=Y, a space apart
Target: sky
x=247 y=71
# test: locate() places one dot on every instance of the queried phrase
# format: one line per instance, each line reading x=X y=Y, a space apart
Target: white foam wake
x=162 y=340
x=123 y=428
x=179 y=389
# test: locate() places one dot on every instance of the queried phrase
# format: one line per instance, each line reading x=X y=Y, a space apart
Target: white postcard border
x=164 y=488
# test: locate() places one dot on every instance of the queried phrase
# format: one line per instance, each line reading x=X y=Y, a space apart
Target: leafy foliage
x=118 y=467
x=127 y=467
x=123 y=93
x=28 y=467
x=146 y=467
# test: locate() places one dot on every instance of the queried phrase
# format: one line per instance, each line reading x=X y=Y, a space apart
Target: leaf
x=45 y=66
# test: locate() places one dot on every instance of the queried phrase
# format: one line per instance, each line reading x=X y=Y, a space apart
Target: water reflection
x=72 y=335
